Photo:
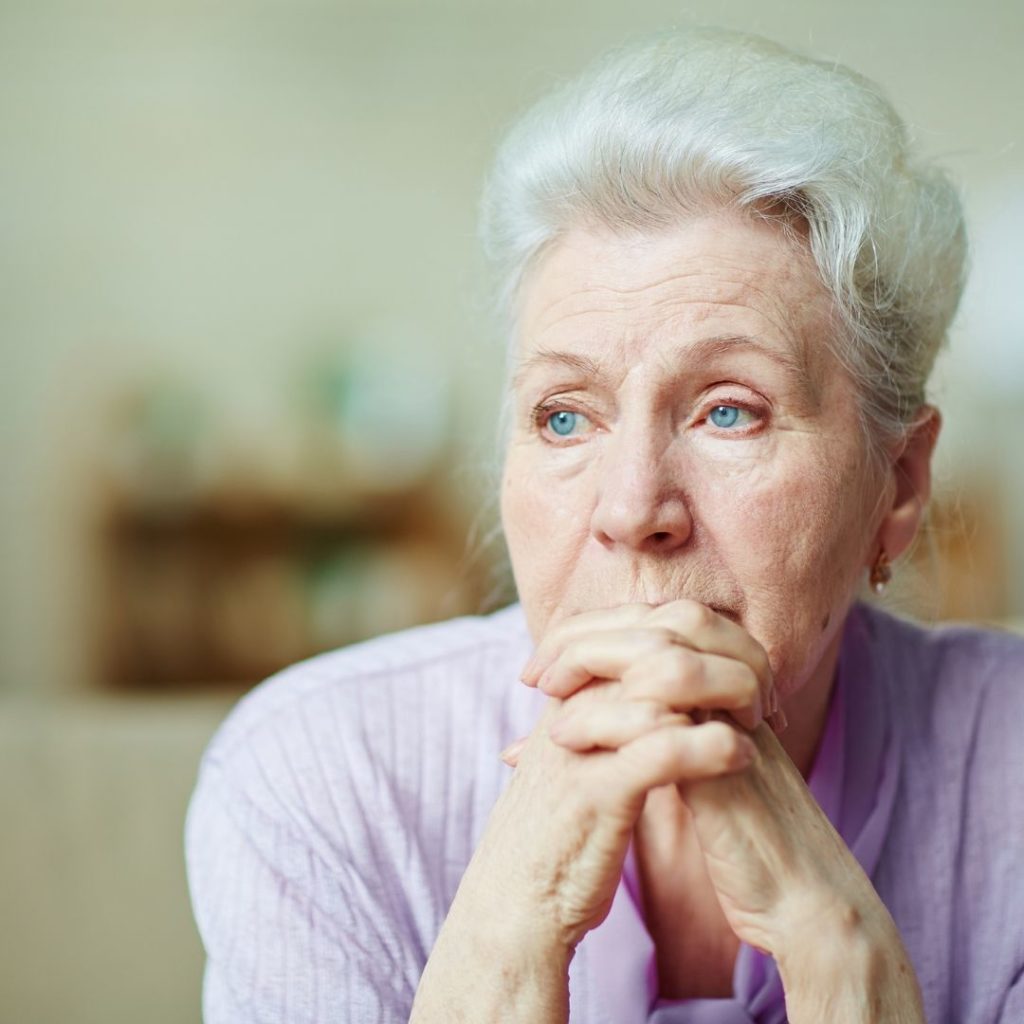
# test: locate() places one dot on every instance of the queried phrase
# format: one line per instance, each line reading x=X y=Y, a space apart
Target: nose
x=641 y=503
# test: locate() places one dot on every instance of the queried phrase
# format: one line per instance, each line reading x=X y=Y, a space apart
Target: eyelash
x=543 y=410
x=759 y=413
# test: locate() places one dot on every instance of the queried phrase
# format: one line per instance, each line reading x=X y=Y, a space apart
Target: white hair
x=701 y=119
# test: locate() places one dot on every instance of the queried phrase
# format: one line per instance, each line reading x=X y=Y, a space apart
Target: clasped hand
x=646 y=697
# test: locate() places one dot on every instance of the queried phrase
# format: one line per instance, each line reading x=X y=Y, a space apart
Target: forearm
x=854 y=970
x=480 y=970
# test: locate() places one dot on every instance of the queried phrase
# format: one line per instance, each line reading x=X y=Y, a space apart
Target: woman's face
x=681 y=429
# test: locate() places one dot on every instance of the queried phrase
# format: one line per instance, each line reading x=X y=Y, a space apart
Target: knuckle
x=680 y=661
x=598 y=691
x=663 y=637
x=571 y=645
x=572 y=653
x=691 y=668
x=692 y=616
x=673 y=674
x=557 y=634
x=727 y=745
x=666 y=753
x=748 y=688
x=648 y=713
x=633 y=675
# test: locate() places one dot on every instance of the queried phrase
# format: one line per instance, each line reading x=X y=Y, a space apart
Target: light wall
x=209 y=189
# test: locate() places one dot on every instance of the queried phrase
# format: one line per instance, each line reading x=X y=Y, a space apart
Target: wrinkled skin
x=690 y=507
x=683 y=430
x=771 y=522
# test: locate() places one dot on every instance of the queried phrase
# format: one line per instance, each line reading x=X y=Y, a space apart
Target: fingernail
x=511 y=753
x=529 y=674
x=544 y=682
x=779 y=722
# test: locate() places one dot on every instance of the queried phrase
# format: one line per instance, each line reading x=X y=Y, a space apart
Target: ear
x=910 y=485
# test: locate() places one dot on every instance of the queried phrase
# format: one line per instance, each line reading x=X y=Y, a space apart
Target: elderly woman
x=736 y=793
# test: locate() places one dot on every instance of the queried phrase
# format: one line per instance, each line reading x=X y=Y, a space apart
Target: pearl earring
x=881 y=572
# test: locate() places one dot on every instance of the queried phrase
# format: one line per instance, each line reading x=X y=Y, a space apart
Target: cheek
x=792 y=517
x=794 y=541
x=522 y=506
x=541 y=519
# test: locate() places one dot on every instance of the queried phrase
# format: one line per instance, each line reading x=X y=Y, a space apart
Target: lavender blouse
x=340 y=803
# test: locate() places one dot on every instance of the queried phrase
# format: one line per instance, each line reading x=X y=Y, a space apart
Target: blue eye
x=726 y=416
x=563 y=422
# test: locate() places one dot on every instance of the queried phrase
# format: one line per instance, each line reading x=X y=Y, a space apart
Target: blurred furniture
x=231 y=548
x=235 y=586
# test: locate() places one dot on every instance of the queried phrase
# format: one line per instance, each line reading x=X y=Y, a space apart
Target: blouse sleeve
x=289 y=937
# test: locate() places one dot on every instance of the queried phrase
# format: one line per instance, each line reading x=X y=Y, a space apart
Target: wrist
x=521 y=942
x=850 y=968
x=496 y=908
x=493 y=960
x=475 y=973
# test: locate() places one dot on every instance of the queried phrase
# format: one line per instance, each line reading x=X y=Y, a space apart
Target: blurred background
x=248 y=388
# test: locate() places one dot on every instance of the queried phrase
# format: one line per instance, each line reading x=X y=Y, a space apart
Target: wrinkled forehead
x=613 y=296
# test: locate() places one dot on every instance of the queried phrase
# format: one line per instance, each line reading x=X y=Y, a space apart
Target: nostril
x=660 y=537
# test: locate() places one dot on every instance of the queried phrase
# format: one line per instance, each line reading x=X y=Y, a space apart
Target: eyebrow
x=584 y=365
x=703 y=349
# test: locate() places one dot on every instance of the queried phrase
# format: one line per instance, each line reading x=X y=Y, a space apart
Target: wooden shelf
x=236 y=587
